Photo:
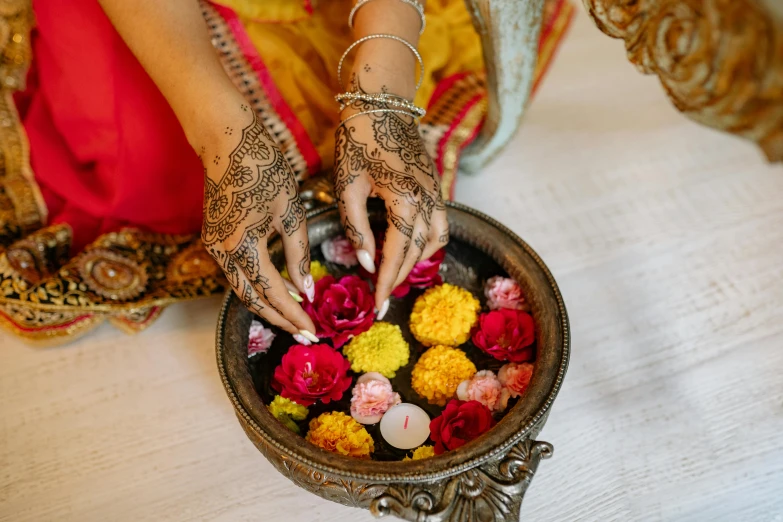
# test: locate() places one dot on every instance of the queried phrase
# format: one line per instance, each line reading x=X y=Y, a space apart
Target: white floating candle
x=405 y=426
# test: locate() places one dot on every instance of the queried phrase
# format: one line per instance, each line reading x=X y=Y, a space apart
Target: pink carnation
x=515 y=377
x=259 y=339
x=502 y=292
x=339 y=250
x=372 y=397
x=485 y=388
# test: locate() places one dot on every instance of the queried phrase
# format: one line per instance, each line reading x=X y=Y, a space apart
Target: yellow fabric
x=302 y=50
x=273 y=11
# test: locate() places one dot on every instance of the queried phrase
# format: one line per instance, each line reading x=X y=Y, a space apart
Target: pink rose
x=485 y=388
x=515 y=377
x=502 y=292
x=506 y=335
x=341 y=309
x=424 y=274
x=339 y=250
x=372 y=397
x=310 y=373
x=259 y=339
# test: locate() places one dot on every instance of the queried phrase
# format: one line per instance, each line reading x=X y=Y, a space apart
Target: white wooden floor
x=667 y=240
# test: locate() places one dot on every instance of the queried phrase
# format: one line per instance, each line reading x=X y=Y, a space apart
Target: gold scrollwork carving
x=720 y=61
x=490 y=493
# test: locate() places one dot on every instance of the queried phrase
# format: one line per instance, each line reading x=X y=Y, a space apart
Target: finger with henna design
x=396 y=244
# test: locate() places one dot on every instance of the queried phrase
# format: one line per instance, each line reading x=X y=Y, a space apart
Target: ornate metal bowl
x=482 y=481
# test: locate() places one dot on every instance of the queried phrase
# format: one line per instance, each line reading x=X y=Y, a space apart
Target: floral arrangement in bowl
x=441 y=370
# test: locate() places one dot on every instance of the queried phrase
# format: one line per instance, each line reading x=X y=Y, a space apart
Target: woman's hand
x=382 y=155
x=249 y=193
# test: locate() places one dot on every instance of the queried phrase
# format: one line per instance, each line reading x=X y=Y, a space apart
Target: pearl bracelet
x=380 y=98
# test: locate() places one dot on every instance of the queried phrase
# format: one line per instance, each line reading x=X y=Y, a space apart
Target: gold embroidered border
x=21 y=204
x=551 y=38
x=46 y=328
x=456 y=142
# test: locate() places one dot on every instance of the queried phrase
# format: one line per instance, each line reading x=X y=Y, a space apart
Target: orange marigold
x=340 y=433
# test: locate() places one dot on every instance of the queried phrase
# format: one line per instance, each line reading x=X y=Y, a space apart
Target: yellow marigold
x=422 y=452
x=317 y=270
x=380 y=349
x=438 y=372
x=287 y=411
x=444 y=315
x=340 y=433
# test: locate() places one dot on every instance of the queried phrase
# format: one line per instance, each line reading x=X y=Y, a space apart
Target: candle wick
x=405 y=427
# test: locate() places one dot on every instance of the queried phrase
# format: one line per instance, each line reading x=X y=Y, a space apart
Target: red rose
x=506 y=335
x=424 y=274
x=341 y=308
x=309 y=373
x=460 y=423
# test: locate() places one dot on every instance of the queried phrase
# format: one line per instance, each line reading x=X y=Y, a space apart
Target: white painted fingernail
x=290 y=286
x=296 y=296
x=383 y=310
x=301 y=339
x=367 y=262
x=309 y=287
x=309 y=336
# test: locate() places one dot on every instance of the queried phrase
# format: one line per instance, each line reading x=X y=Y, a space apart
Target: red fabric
x=106 y=148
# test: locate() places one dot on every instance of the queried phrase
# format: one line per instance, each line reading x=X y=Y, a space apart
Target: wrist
x=384 y=65
x=208 y=121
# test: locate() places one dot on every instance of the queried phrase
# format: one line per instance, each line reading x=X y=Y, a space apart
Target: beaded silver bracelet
x=374 y=111
x=403 y=41
x=380 y=98
x=412 y=3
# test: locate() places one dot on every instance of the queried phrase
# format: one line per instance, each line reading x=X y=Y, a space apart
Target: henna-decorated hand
x=382 y=155
x=249 y=193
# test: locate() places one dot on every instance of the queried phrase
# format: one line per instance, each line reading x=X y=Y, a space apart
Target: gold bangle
x=374 y=111
x=403 y=41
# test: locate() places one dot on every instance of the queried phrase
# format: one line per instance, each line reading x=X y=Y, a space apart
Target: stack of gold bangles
x=386 y=101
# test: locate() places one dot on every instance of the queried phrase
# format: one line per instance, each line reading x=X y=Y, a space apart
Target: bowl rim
x=408 y=471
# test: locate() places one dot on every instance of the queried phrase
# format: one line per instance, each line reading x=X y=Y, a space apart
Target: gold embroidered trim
x=118 y=273
x=46 y=328
x=456 y=141
x=21 y=205
x=138 y=320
